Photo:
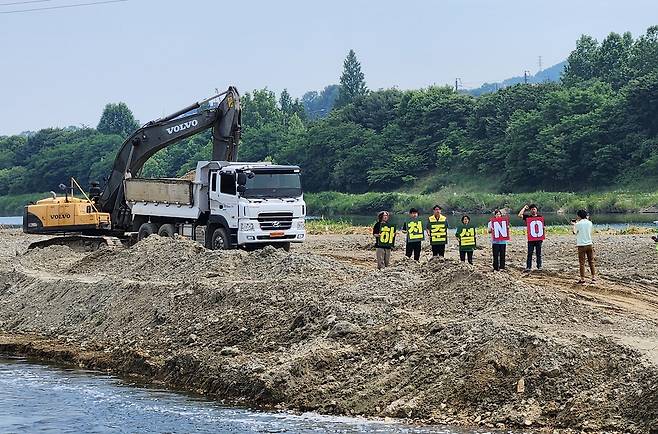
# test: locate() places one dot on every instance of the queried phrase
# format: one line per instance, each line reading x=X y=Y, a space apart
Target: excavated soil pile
x=438 y=341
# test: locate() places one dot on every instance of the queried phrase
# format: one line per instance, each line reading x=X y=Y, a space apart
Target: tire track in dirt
x=638 y=299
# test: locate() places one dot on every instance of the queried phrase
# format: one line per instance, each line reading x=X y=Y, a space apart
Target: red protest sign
x=535 y=228
x=500 y=229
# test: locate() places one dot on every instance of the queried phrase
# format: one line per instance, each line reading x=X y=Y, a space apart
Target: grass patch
x=326 y=226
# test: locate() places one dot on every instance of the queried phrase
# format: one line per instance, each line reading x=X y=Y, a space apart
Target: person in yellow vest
x=413 y=227
x=466 y=236
x=437 y=231
x=384 y=233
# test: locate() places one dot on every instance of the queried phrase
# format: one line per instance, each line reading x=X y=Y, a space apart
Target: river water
x=45 y=398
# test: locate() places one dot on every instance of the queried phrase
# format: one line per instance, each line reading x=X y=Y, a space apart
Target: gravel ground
x=321 y=329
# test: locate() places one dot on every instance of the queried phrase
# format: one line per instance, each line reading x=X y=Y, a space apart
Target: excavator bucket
x=226 y=131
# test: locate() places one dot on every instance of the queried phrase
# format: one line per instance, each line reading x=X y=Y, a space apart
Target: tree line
x=597 y=127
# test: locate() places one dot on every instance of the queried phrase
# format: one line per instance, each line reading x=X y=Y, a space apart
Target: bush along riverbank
x=609 y=202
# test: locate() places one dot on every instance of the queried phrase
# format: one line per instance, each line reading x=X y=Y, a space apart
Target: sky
x=61 y=66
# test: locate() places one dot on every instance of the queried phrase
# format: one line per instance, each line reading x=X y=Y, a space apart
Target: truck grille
x=275 y=221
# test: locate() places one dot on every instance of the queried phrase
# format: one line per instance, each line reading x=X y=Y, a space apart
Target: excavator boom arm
x=224 y=120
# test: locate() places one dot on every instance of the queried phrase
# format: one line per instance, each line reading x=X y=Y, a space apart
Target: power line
x=24 y=2
x=63 y=6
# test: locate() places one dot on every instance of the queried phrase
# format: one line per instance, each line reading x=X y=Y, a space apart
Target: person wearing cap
x=384 y=233
x=413 y=227
x=437 y=231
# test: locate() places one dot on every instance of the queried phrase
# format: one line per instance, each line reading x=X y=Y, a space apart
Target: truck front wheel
x=146 y=229
x=219 y=240
x=284 y=246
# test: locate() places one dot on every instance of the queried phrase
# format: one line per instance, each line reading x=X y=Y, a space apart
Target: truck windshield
x=273 y=185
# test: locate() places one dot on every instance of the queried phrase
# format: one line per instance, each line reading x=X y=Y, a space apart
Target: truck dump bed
x=162 y=190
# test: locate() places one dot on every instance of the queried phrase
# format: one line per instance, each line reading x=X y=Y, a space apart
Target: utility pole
x=458 y=84
x=525 y=76
x=540 y=65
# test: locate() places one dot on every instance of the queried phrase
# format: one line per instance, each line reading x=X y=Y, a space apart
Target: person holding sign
x=384 y=234
x=466 y=236
x=582 y=228
x=535 y=233
x=415 y=234
x=499 y=228
x=437 y=231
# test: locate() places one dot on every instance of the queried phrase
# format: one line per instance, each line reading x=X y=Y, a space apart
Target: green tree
x=642 y=99
x=582 y=62
x=8 y=147
x=643 y=57
x=285 y=102
x=352 y=82
x=260 y=108
x=117 y=119
x=319 y=104
x=375 y=110
x=612 y=59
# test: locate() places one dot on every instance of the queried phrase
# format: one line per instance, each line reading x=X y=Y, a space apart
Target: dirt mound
x=172 y=260
x=438 y=341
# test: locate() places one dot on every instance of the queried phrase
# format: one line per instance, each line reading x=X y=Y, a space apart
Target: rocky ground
x=321 y=329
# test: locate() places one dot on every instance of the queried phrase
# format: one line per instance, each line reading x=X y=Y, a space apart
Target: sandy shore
x=321 y=329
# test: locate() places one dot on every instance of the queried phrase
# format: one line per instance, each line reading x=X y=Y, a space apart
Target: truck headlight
x=246 y=226
x=301 y=225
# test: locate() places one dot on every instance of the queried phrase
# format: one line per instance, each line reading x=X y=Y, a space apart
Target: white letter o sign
x=536 y=229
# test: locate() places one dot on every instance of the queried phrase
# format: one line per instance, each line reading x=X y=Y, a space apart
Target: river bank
x=47 y=397
x=320 y=329
x=332 y=203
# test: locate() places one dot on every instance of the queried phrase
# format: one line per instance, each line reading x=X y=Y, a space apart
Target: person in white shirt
x=582 y=228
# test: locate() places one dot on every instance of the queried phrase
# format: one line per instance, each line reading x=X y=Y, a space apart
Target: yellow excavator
x=77 y=219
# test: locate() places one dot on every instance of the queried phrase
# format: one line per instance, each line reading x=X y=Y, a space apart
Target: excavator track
x=80 y=243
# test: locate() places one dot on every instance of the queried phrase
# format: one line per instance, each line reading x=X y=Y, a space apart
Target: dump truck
x=227 y=204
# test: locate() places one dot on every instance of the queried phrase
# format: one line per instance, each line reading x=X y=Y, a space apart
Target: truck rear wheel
x=146 y=229
x=219 y=240
x=167 y=230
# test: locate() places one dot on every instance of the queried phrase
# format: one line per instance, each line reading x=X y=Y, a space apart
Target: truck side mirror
x=242 y=179
x=241 y=189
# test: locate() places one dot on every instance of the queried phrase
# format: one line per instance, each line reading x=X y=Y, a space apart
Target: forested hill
x=551 y=74
x=596 y=128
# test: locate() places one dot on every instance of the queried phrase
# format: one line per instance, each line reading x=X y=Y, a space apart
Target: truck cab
x=227 y=205
x=259 y=203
